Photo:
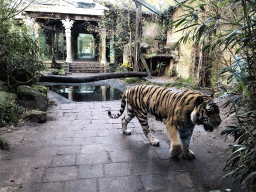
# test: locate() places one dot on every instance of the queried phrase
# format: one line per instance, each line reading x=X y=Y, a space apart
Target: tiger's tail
x=121 y=111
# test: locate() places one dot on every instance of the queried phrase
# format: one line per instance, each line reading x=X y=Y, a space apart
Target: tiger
x=180 y=111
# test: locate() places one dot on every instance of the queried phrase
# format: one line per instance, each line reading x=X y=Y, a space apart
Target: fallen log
x=69 y=79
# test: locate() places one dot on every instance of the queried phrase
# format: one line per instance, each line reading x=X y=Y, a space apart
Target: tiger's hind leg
x=126 y=119
x=144 y=124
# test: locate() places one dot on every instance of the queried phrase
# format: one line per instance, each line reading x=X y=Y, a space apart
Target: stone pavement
x=80 y=148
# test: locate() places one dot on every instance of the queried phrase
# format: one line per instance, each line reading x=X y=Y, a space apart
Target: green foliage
x=229 y=26
x=157 y=84
x=242 y=103
x=164 y=18
x=132 y=80
x=41 y=88
x=20 y=55
x=171 y=72
x=120 y=22
x=127 y=65
x=182 y=82
x=4 y=145
x=147 y=82
x=10 y=112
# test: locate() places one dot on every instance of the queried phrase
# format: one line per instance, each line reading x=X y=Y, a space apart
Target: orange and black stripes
x=159 y=101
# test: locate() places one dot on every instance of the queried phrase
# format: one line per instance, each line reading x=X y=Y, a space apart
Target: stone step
x=86 y=67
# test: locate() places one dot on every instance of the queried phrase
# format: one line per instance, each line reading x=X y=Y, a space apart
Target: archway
x=85 y=46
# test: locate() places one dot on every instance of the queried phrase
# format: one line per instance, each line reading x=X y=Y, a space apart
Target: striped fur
x=181 y=111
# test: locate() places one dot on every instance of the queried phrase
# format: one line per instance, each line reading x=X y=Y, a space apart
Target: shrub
x=241 y=164
x=20 y=55
x=4 y=145
x=10 y=112
x=171 y=72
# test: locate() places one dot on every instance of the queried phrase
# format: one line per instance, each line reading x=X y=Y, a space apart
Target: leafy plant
x=229 y=26
x=10 y=112
x=242 y=162
x=20 y=55
x=159 y=66
x=127 y=65
x=171 y=72
x=4 y=145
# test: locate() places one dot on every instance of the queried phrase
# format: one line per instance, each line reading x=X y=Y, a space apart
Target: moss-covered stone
x=36 y=116
x=3 y=86
x=31 y=98
x=41 y=89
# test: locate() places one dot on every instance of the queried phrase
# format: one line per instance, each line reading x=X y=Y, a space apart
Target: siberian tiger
x=181 y=111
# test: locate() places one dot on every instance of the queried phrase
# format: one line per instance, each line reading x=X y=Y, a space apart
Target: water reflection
x=87 y=92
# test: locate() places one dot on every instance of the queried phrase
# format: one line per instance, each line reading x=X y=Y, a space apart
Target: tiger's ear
x=199 y=100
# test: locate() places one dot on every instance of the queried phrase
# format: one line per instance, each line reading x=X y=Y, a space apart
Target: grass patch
x=132 y=80
x=158 y=84
x=181 y=82
x=147 y=82
x=4 y=145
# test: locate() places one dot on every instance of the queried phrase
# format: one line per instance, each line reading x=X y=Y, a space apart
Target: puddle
x=84 y=93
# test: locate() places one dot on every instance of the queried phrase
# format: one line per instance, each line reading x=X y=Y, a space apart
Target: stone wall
x=191 y=55
x=184 y=65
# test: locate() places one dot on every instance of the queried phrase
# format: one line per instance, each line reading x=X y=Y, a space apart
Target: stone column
x=31 y=24
x=68 y=24
x=70 y=93
x=112 y=50
x=103 y=46
x=37 y=30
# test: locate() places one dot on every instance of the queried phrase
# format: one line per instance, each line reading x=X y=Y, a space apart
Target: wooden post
x=137 y=35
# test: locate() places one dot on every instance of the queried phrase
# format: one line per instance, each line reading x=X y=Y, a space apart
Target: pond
x=106 y=90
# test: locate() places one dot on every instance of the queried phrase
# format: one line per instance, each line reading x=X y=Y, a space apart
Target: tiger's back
x=161 y=102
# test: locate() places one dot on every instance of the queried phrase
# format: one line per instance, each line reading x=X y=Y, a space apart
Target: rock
x=31 y=98
x=36 y=116
x=6 y=96
x=41 y=89
x=3 y=86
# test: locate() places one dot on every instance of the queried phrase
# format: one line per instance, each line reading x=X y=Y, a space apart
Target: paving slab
x=80 y=148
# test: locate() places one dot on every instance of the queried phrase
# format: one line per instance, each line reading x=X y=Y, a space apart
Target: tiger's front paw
x=127 y=132
x=189 y=156
x=155 y=142
x=175 y=151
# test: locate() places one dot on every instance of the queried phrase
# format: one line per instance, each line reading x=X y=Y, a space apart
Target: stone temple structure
x=69 y=31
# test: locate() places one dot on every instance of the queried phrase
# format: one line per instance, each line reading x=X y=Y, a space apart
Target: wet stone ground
x=80 y=148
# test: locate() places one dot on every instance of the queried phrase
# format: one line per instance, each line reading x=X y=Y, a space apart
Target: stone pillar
x=112 y=50
x=70 y=93
x=37 y=30
x=103 y=92
x=32 y=25
x=103 y=46
x=68 y=24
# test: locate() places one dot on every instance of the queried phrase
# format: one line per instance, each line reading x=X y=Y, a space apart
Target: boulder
x=41 y=89
x=3 y=86
x=36 y=116
x=31 y=98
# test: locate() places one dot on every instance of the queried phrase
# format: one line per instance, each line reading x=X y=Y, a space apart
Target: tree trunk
x=204 y=74
x=67 y=79
x=137 y=36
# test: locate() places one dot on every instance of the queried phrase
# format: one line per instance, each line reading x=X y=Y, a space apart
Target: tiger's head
x=206 y=113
